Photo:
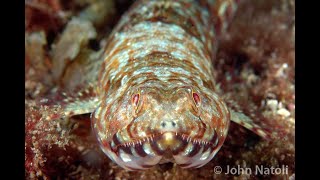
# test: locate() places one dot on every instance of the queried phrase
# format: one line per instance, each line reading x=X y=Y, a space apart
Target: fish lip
x=143 y=159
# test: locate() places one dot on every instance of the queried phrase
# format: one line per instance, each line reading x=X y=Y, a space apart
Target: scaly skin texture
x=158 y=99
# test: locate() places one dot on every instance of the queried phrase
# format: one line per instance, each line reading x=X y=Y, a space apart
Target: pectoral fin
x=248 y=123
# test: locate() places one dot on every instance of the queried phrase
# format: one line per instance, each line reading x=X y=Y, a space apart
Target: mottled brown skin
x=158 y=100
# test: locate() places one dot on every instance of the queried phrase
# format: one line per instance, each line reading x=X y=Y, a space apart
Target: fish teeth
x=124 y=156
x=147 y=148
x=188 y=149
x=205 y=154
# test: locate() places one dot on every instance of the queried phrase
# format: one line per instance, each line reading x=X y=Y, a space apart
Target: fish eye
x=135 y=99
x=196 y=98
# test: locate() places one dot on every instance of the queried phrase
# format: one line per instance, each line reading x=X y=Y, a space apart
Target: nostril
x=168 y=124
x=163 y=124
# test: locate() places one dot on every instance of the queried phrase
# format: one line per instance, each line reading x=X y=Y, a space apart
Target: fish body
x=156 y=99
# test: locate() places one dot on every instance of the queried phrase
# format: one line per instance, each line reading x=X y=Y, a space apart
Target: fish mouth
x=167 y=146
